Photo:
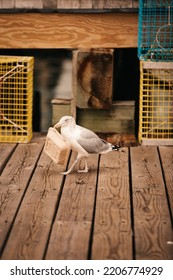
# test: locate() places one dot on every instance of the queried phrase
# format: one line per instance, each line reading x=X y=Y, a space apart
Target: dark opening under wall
x=49 y=67
x=126 y=74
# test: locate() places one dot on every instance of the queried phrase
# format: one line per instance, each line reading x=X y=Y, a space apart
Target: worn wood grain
x=35 y=30
x=49 y=4
x=112 y=238
x=98 y=4
x=31 y=228
x=72 y=226
x=120 y=110
x=93 y=70
x=5 y=152
x=86 y=4
x=135 y=3
x=152 y=223
x=118 y=4
x=7 y=4
x=118 y=119
x=166 y=154
x=29 y=4
x=44 y=215
x=13 y=184
x=69 y=4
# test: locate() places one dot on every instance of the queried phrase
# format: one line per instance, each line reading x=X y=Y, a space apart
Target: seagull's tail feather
x=116 y=148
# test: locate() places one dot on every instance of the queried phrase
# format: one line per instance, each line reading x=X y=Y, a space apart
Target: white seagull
x=83 y=141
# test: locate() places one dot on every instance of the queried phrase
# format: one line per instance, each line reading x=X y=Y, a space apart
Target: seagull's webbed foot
x=65 y=172
x=82 y=171
x=73 y=165
x=85 y=170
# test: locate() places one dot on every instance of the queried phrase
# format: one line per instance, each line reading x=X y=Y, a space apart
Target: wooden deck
x=121 y=209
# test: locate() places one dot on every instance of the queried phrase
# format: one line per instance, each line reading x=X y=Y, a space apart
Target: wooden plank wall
x=68 y=4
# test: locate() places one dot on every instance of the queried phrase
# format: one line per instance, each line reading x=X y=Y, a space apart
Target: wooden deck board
x=166 y=154
x=5 y=152
x=73 y=222
x=14 y=181
x=112 y=237
x=121 y=209
x=31 y=228
x=152 y=224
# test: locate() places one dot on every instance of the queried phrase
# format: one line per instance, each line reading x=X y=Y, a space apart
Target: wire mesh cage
x=156 y=103
x=155 y=28
x=16 y=90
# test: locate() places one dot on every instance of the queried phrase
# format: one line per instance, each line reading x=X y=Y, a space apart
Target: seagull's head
x=65 y=121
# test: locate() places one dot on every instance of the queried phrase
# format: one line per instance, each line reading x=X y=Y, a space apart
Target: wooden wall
x=68 y=4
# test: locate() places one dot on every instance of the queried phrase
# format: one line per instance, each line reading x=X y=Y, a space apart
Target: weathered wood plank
x=13 y=183
x=69 y=4
x=118 y=4
x=120 y=110
x=112 y=227
x=86 y=4
x=98 y=4
x=31 y=228
x=5 y=152
x=29 y=4
x=93 y=71
x=120 y=126
x=34 y=30
x=135 y=3
x=166 y=154
x=7 y=4
x=118 y=119
x=49 y=4
x=71 y=230
x=152 y=224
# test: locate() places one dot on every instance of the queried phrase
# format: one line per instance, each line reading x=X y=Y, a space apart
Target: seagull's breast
x=72 y=135
x=65 y=132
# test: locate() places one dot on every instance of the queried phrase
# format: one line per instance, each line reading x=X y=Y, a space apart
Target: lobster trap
x=155 y=28
x=156 y=103
x=16 y=90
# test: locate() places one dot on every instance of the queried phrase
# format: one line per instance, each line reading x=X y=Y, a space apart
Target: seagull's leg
x=73 y=165
x=86 y=166
x=70 y=169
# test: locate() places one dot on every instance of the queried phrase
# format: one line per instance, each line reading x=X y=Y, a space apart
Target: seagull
x=82 y=140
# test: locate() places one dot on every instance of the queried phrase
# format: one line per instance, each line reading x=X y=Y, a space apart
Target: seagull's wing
x=90 y=142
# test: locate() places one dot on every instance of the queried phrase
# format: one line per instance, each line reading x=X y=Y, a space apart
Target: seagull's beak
x=59 y=124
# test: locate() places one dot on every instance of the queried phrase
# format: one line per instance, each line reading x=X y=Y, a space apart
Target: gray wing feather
x=91 y=142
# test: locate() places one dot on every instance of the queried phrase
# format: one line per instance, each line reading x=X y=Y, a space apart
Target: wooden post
x=60 y=108
x=93 y=78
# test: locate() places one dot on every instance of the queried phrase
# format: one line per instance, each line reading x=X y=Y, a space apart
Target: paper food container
x=56 y=147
